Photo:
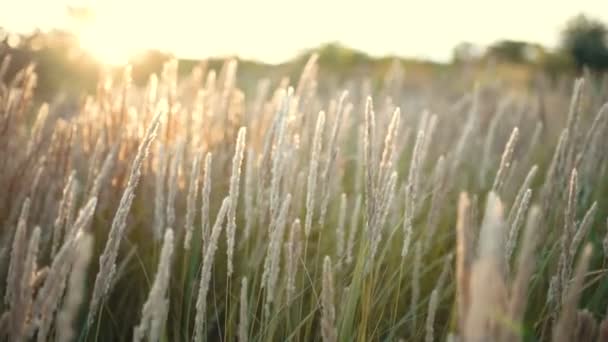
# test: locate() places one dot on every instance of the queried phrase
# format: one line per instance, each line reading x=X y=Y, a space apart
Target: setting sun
x=107 y=44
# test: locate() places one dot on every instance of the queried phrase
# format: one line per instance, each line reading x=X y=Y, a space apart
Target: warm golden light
x=275 y=31
x=106 y=45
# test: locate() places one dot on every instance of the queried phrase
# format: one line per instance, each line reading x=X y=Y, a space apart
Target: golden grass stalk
x=211 y=247
x=311 y=189
x=234 y=195
x=107 y=260
x=328 y=310
x=154 y=311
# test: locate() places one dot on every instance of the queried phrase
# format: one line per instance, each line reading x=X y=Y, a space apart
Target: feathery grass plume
x=71 y=207
x=583 y=229
x=526 y=263
x=278 y=151
x=154 y=311
x=249 y=194
x=172 y=182
x=307 y=75
x=388 y=153
x=22 y=301
x=294 y=250
x=340 y=232
x=206 y=194
x=95 y=161
x=15 y=268
x=437 y=200
x=328 y=310
x=104 y=172
x=37 y=128
x=430 y=318
x=159 y=187
x=49 y=296
x=385 y=197
x=61 y=218
x=233 y=194
x=572 y=123
x=243 y=313
x=369 y=163
x=352 y=234
x=516 y=225
x=211 y=247
x=565 y=259
x=191 y=201
x=51 y=292
x=523 y=189
x=330 y=160
x=107 y=260
x=505 y=161
x=415 y=285
x=311 y=189
x=566 y=324
x=411 y=194
x=487 y=280
x=76 y=289
x=273 y=255
x=464 y=249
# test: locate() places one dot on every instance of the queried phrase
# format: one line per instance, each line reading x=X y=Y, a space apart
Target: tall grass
x=339 y=224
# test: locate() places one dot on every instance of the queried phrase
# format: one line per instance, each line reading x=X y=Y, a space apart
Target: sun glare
x=111 y=39
x=106 y=46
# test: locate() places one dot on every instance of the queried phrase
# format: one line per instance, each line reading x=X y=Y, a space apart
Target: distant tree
x=586 y=41
x=513 y=51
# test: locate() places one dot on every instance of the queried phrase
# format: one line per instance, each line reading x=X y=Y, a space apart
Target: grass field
x=191 y=210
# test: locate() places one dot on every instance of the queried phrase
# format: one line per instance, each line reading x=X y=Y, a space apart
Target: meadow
x=305 y=209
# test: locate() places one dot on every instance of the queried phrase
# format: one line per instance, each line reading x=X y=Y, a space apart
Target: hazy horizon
x=274 y=31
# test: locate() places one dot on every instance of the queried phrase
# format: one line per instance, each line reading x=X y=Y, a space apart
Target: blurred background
x=72 y=43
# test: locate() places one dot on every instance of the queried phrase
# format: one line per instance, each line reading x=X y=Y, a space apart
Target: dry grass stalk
x=330 y=159
x=243 y=313
x=159 y=188
x=565 y=328
x=411 y=193
x=294 y=251
x=464 y=248
x=18 y=252
x=107 y=261
x=487 y=279
x=156 y=307
x=76 y=289
x=505 y=161
x=172 y=183
x=583 y=229
x=311 y=190
x=516 y=225
x=234 y=195
x=211 y=247
x=273 y=256
x=328 y=310
x=206 y=194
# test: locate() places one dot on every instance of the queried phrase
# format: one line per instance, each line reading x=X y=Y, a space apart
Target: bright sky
x=275 y=30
